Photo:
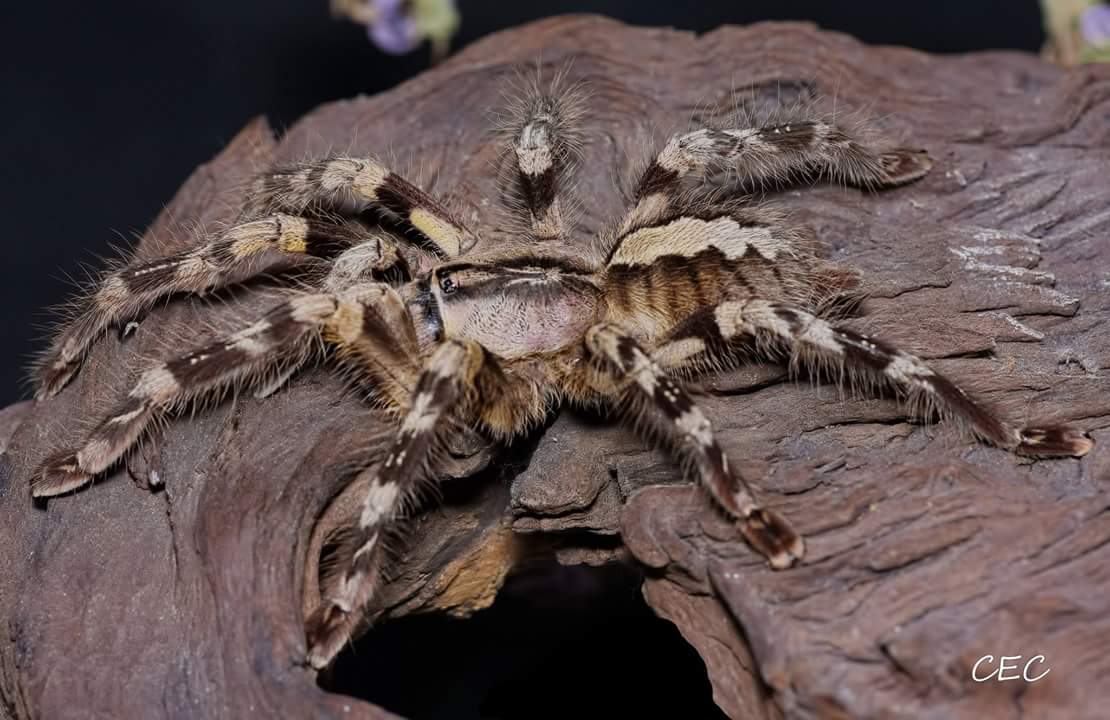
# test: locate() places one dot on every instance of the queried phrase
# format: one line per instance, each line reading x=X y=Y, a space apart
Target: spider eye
x=447 y=285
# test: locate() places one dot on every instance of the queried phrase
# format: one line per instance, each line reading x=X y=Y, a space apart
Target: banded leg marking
x=127 y=293
x=280 y=334
x=773 y=152
x=377 y=340
x=811 y=336
x=692 y=435
x=350 y=186
x=545 y=140
x=445 y=383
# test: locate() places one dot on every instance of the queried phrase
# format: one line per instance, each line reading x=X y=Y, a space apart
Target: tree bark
x=926 y=551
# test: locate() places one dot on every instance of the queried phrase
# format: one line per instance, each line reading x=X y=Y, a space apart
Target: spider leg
x=376 y=340
x=337 y=185
x=238 y=253
x=279 y=340
x=445 y=390
x=814 y=340
x=692 y=435
x=248 y=352
x=775 y=152
x=544 y=140
x=374 y=335
x=349 y=186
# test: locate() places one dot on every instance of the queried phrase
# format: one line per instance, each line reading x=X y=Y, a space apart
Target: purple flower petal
x=393 y=31
x=1094 y=23
x=395 y=37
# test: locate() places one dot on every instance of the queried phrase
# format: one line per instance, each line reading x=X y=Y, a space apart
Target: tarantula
x=695 y=278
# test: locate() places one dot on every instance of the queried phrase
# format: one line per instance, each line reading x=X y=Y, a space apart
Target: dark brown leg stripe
x=445 y=378
x=802 y=331
x=1054 y=441
x=155 y=275
x=539 y=190
x=691 y=434
x=794 y=137
x=656 y=179
x=327 y=240
x=401 y=198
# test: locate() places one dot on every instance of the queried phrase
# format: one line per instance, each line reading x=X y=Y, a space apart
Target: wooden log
x=926 y=550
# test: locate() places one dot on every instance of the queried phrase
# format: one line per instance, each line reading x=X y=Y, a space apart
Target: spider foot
x=145 y=464
x=903 y=166
x=327 y=629
x=59 y=475
x=1054 y=441
x=55 y=377
x=772 y=536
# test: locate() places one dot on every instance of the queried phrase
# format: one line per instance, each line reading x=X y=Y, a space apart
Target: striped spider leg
x=282 y=338
x=814 y=341
x=349 y=186
x=290 y=212
x=500 y=325
x=688 y=429
x=776 y=152
x=543 y=142
x=459 y=383
x=704 y=341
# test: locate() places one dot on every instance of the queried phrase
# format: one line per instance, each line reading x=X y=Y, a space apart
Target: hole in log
x=558 y=642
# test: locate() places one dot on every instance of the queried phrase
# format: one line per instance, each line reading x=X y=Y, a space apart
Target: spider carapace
x=695 y=278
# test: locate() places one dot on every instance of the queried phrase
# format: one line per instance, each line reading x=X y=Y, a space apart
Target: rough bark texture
x=926 y=550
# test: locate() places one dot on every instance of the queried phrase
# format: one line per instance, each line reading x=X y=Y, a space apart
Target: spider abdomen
x=652 y=299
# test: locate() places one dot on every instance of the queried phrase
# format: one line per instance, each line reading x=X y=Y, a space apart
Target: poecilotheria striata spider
x=695 y=278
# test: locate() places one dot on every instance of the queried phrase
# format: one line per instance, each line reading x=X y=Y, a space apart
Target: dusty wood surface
x=926 y=551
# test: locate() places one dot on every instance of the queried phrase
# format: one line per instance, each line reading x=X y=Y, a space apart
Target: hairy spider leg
x=777 y=152
x=235 y=255
x=443 y=391
x=691 y=433
x=816 y=342
x=243 y=354
x=377 y=342
x=347 y=186
x=278 y=341
x=544 y=138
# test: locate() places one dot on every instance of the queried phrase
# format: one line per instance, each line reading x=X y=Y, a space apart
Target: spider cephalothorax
x=695 y=278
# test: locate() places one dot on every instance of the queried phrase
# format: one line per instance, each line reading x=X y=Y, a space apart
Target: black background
x=108 y=106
